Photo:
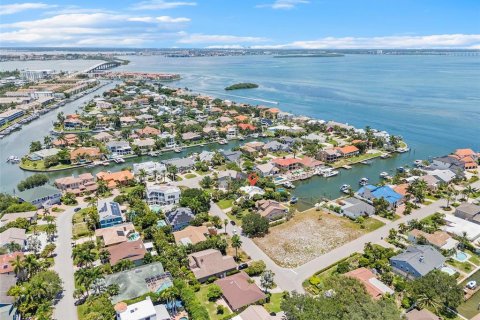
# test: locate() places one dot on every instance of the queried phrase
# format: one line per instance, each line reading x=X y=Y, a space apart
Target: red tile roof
x=286 y=162
x=6 y=261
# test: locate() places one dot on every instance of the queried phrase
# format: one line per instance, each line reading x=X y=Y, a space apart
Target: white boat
x=288 y=185
x=241 y=138
x=385 y=156
x=119 y=160
x=402 y=150
x=330 y=173
x=13 y=159
x=363 y=181
x=222 y=141
x=178 y=149
x=345 y=188
x=383 y=174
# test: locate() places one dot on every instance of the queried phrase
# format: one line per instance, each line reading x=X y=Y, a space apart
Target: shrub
x=256 y=268
x=214 y=292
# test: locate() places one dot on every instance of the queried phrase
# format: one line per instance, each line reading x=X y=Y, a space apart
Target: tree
x=206 y=182
x=236 y=243
x=61 y=118
x=267 y=280
x=469 y=190
x=254 y=224
x=214 y=292
x=51 y=230
x=69 y=199
x=34 y=244
x=48 y=250
x=196 y=199
x=256 y=268
x=33 y=181
x=35 y=146
x=436 y=290
x=173 y=171
x=225 y=224
x=18 y=265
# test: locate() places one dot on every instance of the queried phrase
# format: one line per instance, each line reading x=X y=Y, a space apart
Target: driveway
x=65 y=307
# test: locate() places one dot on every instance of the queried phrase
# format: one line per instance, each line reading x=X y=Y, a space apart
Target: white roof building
x=252 y=191
x=458 y=226
x=149 y=167
x=143 y=310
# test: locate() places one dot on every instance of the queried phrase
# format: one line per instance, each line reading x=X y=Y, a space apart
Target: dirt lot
x=306 y=236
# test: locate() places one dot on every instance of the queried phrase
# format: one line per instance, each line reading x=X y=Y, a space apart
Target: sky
x=270 y=24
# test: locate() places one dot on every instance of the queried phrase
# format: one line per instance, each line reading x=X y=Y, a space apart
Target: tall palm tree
x=225 y=223
x=32 y=265
x=236 y=243
x=469 y=190
x=18 y=265
x=173 y=171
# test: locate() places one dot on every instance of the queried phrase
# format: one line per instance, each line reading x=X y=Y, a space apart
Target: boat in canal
x=330 y=173
x=363 y=181
x=384 y=174
x=345 y=188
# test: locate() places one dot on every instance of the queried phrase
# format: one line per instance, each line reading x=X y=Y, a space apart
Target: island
x=242 y=85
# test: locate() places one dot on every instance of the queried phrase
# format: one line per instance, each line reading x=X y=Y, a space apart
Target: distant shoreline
x=313 y=55
x=242 y=85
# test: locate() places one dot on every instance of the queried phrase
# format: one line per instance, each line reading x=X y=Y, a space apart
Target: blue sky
x=315 y=24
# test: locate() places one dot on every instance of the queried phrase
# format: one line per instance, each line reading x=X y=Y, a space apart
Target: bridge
x=103 y=66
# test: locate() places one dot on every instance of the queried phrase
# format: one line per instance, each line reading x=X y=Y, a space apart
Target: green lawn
x=274 y=304
x=370 y=224
x=40 y=165
x=190 y=175
x=225 y=203
x=356 y=159
x=211 y=306
x=474 y=258
x=463 y=266
x=201 y=173
x=80 y=228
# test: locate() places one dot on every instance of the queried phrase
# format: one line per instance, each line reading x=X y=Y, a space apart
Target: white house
x=150 y=167
x=162 y=195
x=142 y=310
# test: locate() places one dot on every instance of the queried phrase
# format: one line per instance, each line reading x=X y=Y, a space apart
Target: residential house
x=287 y=164
x=275 y=146
x=254 y=312
x=191 y=235
x=442 y=175
x=206 y=156
x=68 y=140
x=148 y=131
x=267 y=169
x=150 y=167
x=41 y=196
x=370 y=192
x=355 y=208
x=348 y=151
x=119 y=147
x=210 y=263
x=239 y=291
x=246 y=127
x=438 y=239
x=73 y=124
x=182 y=164
x=109 y=213
x=313 y=137
x=179 y=218
x=114 y=179
x=310 y=163
x=147 y=118
x=225 y=177
x=85 y=182
x=232 y=156
x=191 y=136
x=416 y=261
x=162 y=195
x=128 y=250
x=232 y=132
x=6 y=260
x=84 y=154
x=145 y=145
x=127 y=121
x=252 y=191
x=271 y=209
x=468 y=157
x=375 y=288
x=329 y=155
x=15 y=235
x=460 y=227
x=422 y=314
x=142 y=310
x=469 y=212
x=115 y=234
x=30 y=216
x=210 y=131
x=103 y=136
x=7 y=308
x=447 y=163
x=42 y=154
x=431 y=181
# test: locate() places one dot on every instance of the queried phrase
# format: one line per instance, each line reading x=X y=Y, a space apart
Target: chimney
x=422 y=258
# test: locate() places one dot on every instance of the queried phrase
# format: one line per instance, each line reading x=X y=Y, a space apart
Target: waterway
x=432 y=101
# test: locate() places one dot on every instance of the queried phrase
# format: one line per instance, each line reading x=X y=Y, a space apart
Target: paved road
x=291 y=279
x=65 y=308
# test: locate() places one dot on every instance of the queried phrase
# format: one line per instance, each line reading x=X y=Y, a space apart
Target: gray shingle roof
x=421 y=258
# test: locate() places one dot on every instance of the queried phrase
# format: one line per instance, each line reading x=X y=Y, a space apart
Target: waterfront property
x=416 y=261
x=162 y=195
x=114 y=179
x=369 y=193
x=10 y=115
x=85 y=182
x=121 y=148
x=41 y=196
x=151 y=168
x=109 y=213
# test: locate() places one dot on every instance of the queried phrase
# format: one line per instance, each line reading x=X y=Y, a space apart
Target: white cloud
x=160 y=5
x=197 y=38
x=283 y=4
x=13 y=8
x=167 y=19
x=386 y=42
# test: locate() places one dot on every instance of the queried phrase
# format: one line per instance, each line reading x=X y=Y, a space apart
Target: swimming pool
x=134 y=236
x=461 y=256
x=448 y=270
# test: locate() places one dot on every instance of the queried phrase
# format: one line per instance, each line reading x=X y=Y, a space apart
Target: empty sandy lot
x=307 y=236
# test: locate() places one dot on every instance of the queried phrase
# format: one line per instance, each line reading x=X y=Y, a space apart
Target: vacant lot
x=306 y=236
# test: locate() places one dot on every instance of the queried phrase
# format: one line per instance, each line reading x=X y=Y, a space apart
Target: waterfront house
x=355 y=208
x=275 y=146
x=371 y=192
x=438 y=239
x=103 y=136
x=148 y=132
x=115 y=234
x=310 y=163
x=150 y=167
x=30 y=216
x=42 y=154
x=210 y=131
x=210 y=263
x=447 y=163
x=114 y=179
x=191 y=136
x=374 y=287
x=147 y=118
x=348 y=151
x=10 y=115
x=68 y=140
x=287 y=164
x=41 y=196
x=329 y=155
x=232 y=156
x=270 y=209
x=468 y=157
x=313 y=137
x=239 y=291
x=179 y=218
x=145 y=145
x=73 y=124
x=206 y=156
x=15 y=235
x=128 y=250
x=162 y=195
x=469 y=212
x=191 y=235
x=85 y=182
x=267 y=169
x=232 y=132
x=246 y=127
x=119 y=147
x=84 y=154
x=127 y=121
x=251 y=191
x=182 y=164
x=109 y=213
x=142 y=310
x=416 y=261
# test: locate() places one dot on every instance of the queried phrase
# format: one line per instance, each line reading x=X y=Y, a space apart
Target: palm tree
x=142 y=174
x=225 y=223
x=47 y=141
x=173 y=171
x=469 y=190
x=32 y=265
x=18 y=265
x=169 y=296
x=51 y=230
x=236 y=243
x=155 y=174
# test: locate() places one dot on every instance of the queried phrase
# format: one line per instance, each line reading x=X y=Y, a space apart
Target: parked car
x=77 y=209
x=232 y=222
x=242 y=266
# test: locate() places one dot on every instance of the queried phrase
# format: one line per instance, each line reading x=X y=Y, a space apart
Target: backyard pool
x=448 y=270
x=134 y=236
x=461 y=256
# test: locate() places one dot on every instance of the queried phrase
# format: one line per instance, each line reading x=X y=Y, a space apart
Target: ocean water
x=432 y=101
